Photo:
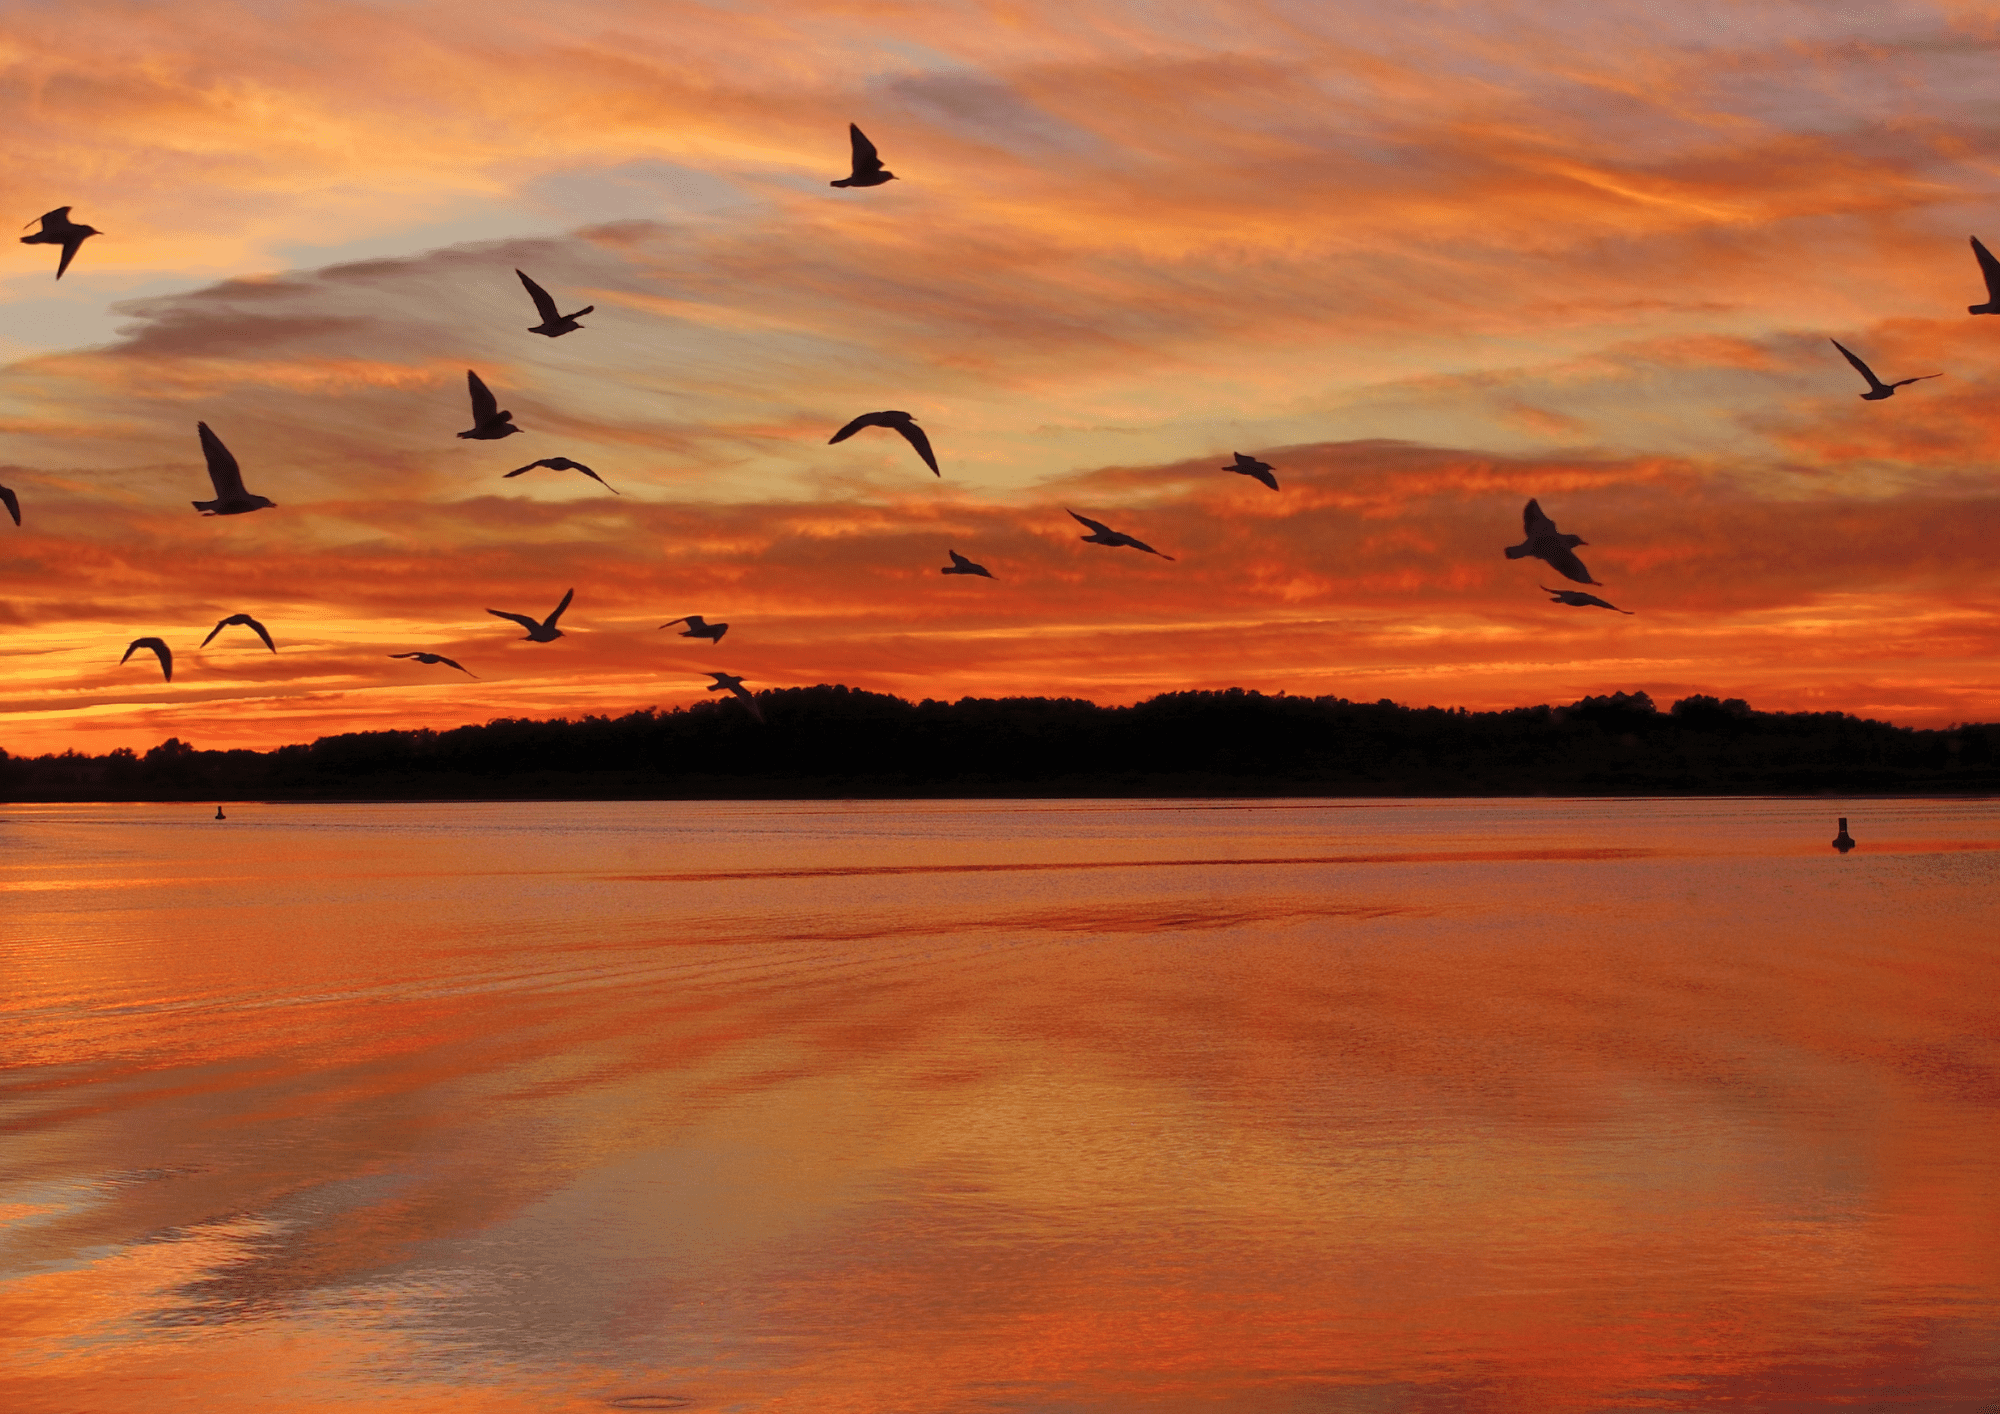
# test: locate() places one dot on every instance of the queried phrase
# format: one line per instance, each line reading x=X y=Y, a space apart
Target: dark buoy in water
x=1843 y=841
x=220 y=816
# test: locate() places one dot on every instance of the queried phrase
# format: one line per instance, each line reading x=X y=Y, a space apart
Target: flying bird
x=1544 y=543
x=897 y=421
x=553 y=324
x=58 y=229
x=227 y=479
x=543 y=632
x=158 y=646
x=12 y=503
x=960 y=565
x=1877 y=389
x=868 y=169
x=1990 y=268
x=437 y=658
x=247 y=622
x=1105 y=535
x=1250 y=466
x=735 y=685
x=562 y=464
x=489 y=424
x=1578 y=598
x=698 y=627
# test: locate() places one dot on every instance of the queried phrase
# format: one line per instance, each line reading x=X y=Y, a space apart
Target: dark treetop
x=833 y=741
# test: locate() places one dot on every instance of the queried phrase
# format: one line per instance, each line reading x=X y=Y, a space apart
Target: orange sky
x=1429 y=259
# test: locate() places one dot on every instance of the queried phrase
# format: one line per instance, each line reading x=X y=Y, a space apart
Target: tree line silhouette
x=837 y=741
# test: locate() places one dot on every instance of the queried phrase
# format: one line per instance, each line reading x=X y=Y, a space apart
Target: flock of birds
x=490 y=422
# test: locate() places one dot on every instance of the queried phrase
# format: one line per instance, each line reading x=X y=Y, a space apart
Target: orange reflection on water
x=1383 y=1106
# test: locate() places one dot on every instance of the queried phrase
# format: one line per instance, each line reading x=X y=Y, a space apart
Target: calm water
x=1073 y=1106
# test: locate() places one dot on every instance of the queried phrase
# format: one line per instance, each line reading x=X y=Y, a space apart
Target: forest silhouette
x=818 y=742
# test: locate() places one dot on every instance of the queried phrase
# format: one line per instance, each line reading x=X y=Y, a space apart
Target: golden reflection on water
x=1372 y=1106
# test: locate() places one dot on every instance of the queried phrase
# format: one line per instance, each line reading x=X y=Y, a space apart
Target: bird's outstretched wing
x=1564 y=562
x=57 y=217
x=1097 y=526
x=544 y=304
x=1142 y=545
x=454 y=663
x=260 y=630
x=579 y=466
x=914 y=435
x=671 y=622
x=959 y=561
x=529 y=467
x=1859 y=367
x=1988 y=267
x=159 y=649
x=1534 y=522
x=522 y=619
x=867 y=161
x=550 y=621
x=223 y=472
x=485 y=406
x=71 y=245
x=225 y=623
x=12 y=503
x=867 y=419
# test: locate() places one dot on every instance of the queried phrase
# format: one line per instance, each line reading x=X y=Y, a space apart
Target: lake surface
x=1296 y=1106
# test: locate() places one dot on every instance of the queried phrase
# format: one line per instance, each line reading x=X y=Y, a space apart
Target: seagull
x=1877 y=389
x=553 y=324
x=1990 y=268
x=12 y=503
x=899 y=421
x=58 y=229
x=227 y=479
x=437 y=658
x=158 y=646
x=1105 y=535
x=1578 y=598
x=1250 y=466
x=543 y=632
x=960 y=565
x=735 y=685
x=868 y=169
x=489 y=424
x=562 y=464
x=698 y=627
x=247 y=622
x=1545 y=544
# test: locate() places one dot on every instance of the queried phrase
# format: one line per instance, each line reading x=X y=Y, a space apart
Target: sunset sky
x=1428 y=259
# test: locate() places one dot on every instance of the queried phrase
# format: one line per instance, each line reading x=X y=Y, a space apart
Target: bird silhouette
x=544 y=631
x=1545 y=543
x=1578 y=598
x=562 y=464
x=900 y=422
x=12 y=503
x=868 y=169
x=227 y=479
x=247 y=622
x=553 y=324
x=698 y=627
x=1250 y=466
x=1990 y=268
x=489 y=424
x=158 y=646
x=438 y=658
x=960 y=565
x=1877 y=389
x=735 y=685
x=58 y=229
x=1103 y=534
